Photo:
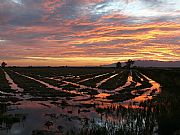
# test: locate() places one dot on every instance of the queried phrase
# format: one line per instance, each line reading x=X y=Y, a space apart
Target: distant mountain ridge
x=150 y=63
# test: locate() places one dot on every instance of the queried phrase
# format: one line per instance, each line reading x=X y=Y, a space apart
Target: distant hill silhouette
x=150 y=63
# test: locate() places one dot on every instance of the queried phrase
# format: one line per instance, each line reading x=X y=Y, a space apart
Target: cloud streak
x=94 y=32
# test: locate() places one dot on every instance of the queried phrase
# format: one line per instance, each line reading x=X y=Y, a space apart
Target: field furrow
x=36 y=87
x=116 y=81
x=4 y=84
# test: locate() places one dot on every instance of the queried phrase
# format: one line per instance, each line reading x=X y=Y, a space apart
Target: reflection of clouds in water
x=137 y=8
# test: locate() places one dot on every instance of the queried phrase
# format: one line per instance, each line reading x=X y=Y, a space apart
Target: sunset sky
x=88 y=32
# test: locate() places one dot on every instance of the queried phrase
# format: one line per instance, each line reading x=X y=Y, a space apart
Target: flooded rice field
x=61 y=101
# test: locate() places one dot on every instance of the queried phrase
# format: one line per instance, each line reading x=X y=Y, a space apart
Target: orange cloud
x=60 y=35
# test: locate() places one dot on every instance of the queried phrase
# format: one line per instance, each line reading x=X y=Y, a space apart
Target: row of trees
x=128 y=64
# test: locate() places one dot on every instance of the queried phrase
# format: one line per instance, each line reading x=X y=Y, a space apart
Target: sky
x=88 y=32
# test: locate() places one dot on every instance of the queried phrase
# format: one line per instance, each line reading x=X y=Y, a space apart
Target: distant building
x=3 y=64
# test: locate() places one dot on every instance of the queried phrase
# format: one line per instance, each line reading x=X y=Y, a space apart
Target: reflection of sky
x=88 y=31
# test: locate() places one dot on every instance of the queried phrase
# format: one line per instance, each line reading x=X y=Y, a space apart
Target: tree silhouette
x=3 y=64
x=129 y=63
x=118 y=65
